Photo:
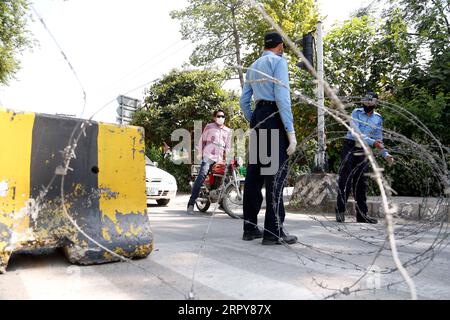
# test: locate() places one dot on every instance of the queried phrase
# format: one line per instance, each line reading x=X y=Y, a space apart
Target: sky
x=115 y=47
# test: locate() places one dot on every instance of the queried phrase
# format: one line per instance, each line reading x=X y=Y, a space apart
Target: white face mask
x=220 y=121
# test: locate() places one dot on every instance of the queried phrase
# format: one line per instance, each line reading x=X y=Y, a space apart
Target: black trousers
x=266 y=128
x=353 y=178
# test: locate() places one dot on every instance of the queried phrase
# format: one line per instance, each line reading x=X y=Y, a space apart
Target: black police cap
x=272 y=39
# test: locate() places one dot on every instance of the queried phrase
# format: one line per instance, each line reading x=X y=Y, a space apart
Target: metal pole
x=320 y=165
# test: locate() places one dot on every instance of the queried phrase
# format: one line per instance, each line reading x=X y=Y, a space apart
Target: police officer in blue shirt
x=267 y=80
x=354 y=164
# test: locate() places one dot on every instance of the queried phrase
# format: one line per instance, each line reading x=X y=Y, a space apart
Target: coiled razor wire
x=391 y=234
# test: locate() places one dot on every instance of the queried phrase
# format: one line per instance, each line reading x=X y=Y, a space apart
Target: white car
x=161 y=185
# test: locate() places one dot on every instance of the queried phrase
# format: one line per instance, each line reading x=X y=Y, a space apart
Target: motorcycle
x=223 y=185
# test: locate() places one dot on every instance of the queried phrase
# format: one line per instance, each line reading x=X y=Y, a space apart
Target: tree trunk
x=237 y=44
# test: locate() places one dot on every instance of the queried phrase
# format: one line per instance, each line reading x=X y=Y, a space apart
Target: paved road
x=327 y=258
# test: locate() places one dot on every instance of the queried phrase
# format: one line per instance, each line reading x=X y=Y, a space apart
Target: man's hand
x=379 y=145
x=292 y=143
x=166 y=147
x=390 y=160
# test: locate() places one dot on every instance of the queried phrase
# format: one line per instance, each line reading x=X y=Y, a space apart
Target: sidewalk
x=413 y=208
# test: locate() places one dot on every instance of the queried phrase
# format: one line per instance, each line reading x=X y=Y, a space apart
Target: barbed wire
x=64 y=56
x=390 y=235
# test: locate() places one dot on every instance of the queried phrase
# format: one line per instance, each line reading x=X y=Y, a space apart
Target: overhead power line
x=64 y=56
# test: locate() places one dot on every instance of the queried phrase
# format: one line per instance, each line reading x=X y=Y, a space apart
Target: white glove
x=292 y=143
x=390 y=160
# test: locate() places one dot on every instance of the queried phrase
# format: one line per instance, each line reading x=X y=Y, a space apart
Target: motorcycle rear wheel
x=232 y=203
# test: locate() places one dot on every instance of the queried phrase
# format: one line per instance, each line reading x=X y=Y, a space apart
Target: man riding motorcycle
x=213 y=147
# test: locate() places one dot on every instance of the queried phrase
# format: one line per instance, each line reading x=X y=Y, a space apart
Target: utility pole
x=320 y=156
x=317 y=190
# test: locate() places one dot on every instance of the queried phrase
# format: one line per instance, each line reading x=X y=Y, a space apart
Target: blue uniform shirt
x=370 y=127
x=263 y=88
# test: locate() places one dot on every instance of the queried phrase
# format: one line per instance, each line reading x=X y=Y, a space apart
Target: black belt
x=352 y=143
x=263 y=103
x=349 y=141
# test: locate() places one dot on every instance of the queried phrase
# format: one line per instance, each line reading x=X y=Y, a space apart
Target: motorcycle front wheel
x=233 y=203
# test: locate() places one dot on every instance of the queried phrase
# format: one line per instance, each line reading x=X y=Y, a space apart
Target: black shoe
x=365 y=219
x=269 y=240
x=252 y=235
x=340 y=217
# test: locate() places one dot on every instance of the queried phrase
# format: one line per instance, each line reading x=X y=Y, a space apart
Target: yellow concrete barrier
x=103 y=192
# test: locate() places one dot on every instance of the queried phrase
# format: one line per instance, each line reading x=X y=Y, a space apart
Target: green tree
x=295 y=17
x=426 y=90
x=181 y=97
x=403 y=54
x=231 y=30
x=217 y=26
x=175 y=102
x=366 y=53
x=14 y=36
x=429 y=21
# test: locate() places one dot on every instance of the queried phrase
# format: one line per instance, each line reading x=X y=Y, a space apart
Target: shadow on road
x=32 y=260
